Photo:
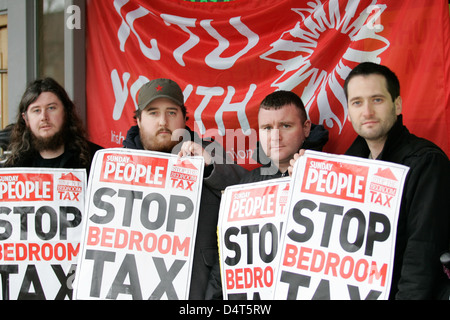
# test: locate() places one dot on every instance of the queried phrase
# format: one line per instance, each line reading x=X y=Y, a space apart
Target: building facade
x=41 y=38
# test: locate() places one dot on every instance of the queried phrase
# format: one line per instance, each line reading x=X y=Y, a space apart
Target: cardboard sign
x=139 y=235
x=341 y=228
x=251 y=221
x=41 y=211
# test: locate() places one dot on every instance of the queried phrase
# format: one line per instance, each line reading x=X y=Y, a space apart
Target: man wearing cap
x=161 y=126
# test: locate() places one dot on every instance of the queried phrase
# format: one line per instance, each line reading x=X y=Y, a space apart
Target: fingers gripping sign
x=293 y=160
x=191 y=148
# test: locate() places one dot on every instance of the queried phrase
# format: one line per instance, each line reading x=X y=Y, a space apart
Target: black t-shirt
x=48 y=163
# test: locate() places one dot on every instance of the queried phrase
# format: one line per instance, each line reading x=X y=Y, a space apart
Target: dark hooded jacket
x=424 y=220
x=216 y=178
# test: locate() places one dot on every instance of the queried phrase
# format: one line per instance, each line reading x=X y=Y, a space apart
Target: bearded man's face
x=45 y=118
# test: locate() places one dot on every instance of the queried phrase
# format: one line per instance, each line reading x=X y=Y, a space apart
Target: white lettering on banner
x=121 y=91
x=121 y=94
x=238 y=107
x=193 y=40
x=117 y=138
x=315 y=20
x=127 y=26
x=207 y=93
x=213 y=59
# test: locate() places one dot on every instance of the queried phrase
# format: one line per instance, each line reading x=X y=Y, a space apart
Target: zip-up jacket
x=424 y=219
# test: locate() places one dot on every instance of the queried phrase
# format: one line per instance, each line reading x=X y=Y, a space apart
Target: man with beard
x=161 y=126
x=48 y=133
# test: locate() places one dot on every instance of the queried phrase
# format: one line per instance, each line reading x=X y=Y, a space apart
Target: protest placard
x=41 y=212
x=139 y=234
x=341 y=228
x=251 y=219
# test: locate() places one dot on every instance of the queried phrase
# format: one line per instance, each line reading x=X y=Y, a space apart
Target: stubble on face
x=159 y=123
x=371 y=109
x=282 y=133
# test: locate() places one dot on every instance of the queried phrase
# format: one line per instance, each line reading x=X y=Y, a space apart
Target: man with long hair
x=48 y=132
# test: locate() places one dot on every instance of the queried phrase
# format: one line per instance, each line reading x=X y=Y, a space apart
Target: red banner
x=228 y=56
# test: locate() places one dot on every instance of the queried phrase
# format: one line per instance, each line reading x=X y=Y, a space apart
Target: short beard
x=160 y=147
x=47 y=144
x=154 y=145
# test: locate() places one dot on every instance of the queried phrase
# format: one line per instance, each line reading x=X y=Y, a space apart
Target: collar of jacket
x=360 y=148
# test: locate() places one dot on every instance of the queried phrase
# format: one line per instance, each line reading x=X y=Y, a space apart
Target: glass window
x=3 y=70
x=50 y=35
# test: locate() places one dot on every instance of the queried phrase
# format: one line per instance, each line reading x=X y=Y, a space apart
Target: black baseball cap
x=160 y=88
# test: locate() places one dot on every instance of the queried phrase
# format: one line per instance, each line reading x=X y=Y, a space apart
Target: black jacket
x=316 y=140
x=424 y=220
x=216 y=178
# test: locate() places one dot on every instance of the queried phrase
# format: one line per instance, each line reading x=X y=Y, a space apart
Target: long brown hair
x=20 y=145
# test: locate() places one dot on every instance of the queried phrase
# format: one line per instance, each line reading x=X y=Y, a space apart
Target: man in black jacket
x=374 y=109
x=161 y=126
x=284 y=129
x=48 y=132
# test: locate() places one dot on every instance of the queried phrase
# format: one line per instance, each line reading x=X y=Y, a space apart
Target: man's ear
x=24 y=117
x=398 y=105
x=307 y=128
x=138 y=121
